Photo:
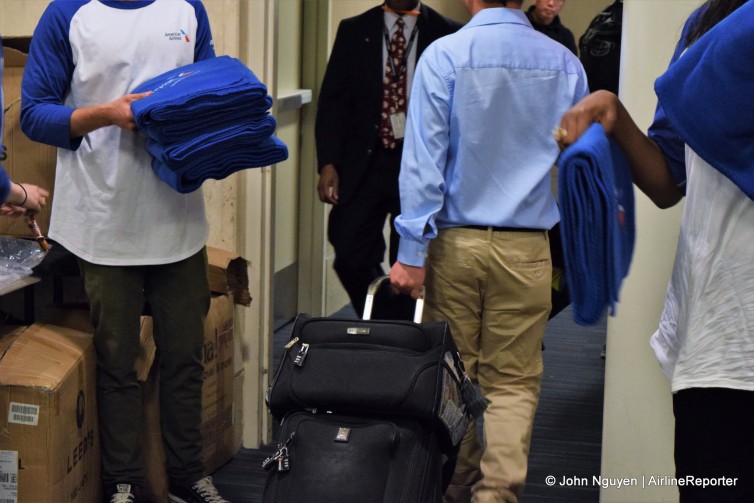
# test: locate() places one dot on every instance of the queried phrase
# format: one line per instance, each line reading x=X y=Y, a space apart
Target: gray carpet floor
x=567 y=436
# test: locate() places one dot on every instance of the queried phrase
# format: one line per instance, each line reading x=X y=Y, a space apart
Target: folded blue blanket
x=708 y=96
x=228 y=155
x=596 y=199
x=206 y=95
x=213 y=147
x=193 y=121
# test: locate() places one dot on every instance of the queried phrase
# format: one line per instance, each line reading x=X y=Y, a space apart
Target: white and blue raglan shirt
x=109 y=208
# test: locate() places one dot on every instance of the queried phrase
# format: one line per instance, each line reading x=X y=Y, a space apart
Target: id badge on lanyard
x=398 y=119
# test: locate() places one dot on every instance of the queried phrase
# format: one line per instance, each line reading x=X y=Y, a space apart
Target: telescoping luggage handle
x=374 y=286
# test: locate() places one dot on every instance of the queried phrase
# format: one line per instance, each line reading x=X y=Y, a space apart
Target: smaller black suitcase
x=329 y=458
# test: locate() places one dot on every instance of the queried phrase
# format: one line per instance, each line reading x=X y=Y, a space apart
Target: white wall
x=638 y=421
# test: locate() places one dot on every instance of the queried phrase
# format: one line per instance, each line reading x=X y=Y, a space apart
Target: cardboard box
x=27 y=161
x=228 y=273
x=8 y=335
x=49 y=441
x=77 y=317
x=218 y=428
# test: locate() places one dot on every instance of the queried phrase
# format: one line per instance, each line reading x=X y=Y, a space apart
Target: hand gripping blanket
x=596 y=198
x=708 y=96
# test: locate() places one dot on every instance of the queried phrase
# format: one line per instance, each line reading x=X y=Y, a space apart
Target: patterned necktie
x=394 y=86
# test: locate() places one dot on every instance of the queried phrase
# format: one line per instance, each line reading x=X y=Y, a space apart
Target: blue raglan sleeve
x=205 y=44
x=47 y=77
x=4 y=180
x=662 y=132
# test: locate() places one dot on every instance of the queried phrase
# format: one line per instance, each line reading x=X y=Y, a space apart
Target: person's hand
x=120 y=110
x=115 y=113
x=600 y=106
x=407 y=279
x=327 y=186
x=24 y=199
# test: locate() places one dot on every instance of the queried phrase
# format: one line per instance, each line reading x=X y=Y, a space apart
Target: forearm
x=87 y=119
x=116 y=113
x=16 y=194
x=648 y=164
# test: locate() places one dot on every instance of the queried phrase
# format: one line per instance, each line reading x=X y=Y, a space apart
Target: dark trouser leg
x=178 y=295
x=116 y=301
x=356 y=227
x=714 y=439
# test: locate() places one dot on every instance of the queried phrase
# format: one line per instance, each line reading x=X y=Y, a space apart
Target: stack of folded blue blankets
x=597 y=221
x=207 y=120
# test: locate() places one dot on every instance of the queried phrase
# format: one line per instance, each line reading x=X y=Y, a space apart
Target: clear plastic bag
x=17 y=259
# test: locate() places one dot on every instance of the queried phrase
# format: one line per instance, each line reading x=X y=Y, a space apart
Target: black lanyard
x=404 y=63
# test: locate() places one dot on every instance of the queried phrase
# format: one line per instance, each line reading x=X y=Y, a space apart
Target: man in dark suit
x=359 y=143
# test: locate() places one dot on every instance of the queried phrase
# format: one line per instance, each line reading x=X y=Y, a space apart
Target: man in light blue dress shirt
x=476 y=205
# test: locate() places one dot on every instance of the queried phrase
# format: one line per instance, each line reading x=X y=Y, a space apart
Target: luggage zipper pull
x=301 y=356
x=267 y=463
x=291 y=343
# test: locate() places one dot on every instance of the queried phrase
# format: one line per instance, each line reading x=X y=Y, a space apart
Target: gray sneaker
x=202 y=491
x=121 y=493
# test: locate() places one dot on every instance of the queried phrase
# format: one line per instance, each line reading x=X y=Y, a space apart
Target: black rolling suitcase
x=394 y=368
x=329 y=458
x=368 y=377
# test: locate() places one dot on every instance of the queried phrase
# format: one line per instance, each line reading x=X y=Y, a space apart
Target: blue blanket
x=189 y=176
x=211 y=116
x=214 y=147
x=708 y=96
x=596 y=199
x=207 y=120
x=200 y=97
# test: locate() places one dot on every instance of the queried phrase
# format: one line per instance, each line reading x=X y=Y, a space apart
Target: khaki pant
x=493 y=289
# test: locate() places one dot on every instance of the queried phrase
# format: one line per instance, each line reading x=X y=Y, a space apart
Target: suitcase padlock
x=284 y=460
x=301 y=355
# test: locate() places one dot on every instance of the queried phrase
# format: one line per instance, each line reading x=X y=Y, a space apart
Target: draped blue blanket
x=188 y=176
x=207 y=120
x=596 y=197
x=708 y=96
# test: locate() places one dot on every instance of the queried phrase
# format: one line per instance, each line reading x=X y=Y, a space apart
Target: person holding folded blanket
x=701 y=146
x=136 y=238
x=477 y=203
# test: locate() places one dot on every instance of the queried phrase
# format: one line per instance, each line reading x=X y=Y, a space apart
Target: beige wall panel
x=19 y=17
x=286 y=174
x=637 y=439
x=221 y=196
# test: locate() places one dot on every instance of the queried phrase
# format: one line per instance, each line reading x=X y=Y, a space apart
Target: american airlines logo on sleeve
x=177 y=35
